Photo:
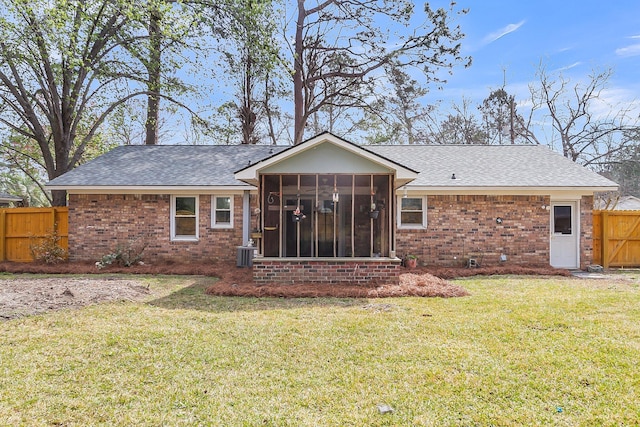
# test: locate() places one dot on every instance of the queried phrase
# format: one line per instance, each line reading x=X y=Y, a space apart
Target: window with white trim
x=184 y=217
x=412 y=212
x=222 y=212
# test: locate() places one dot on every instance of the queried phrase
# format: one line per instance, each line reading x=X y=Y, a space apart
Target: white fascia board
x=155 y=190
x=509 y=191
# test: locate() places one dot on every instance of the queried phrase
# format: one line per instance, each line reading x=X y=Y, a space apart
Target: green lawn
x=518 y=351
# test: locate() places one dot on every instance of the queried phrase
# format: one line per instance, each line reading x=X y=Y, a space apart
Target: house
x=330 y=210
x=624 y=203
x=7 y=200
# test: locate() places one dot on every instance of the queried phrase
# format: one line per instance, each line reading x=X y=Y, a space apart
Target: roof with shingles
x=166 y=165
x=8 y=197
x=214 y=165
x=491 y=166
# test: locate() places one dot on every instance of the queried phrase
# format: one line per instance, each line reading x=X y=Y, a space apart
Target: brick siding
x=357 y=272
x=586 y=231
x=98 y=223
x=460 y=227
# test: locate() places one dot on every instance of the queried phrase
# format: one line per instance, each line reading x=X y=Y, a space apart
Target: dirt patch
x=27 y=296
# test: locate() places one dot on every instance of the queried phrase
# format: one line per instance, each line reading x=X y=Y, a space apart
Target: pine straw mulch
x=233 y=281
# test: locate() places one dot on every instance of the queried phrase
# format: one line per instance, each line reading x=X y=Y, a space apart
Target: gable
x=327 y=153
x=326 y=158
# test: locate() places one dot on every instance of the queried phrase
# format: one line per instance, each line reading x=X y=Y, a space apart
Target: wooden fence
x=22 y=227
x=616 y=238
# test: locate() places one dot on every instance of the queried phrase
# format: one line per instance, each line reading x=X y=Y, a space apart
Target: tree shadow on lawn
x=195 y=297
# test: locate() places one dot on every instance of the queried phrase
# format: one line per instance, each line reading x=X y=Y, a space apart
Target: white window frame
x=175 y=237
x=215 y=224
x=421 y=226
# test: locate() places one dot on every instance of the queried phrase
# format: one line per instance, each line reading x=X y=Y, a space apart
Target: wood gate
x=616 y=238
x=21 y=227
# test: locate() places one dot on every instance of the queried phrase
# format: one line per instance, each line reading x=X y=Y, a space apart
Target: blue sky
x=509 y=39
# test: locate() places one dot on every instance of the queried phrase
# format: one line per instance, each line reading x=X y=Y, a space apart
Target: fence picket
x=20 y=226
x=616 y=238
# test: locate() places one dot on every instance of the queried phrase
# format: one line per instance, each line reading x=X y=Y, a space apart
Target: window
x=222 y=212
x=562 y=220
x=413 y=212
x=184 y=217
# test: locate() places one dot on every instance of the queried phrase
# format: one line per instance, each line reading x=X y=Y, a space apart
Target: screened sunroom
x=326 y=198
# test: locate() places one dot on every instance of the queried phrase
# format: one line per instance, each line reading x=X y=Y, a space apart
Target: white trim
x=399 y=213
x=236 y=189
x=213 y=211
x=175 y=238
x=558 y=192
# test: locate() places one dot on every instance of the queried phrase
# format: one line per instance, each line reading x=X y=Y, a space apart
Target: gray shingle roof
x=491 y=166
x=166 y=165
x=8 y=197
x=214 y=165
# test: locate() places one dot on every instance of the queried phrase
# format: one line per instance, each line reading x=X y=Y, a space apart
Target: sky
x=508 y=39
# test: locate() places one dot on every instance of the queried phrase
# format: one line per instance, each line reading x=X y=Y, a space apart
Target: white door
x=564 y=235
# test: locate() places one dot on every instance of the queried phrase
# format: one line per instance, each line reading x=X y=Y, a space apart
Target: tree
x=462 y=127
x=252 y=56
x=341 y=45
x=173 y=27
x=63 y=70
x=589 y=129
x=501 y=120
x=406 y=116
x=624 y=168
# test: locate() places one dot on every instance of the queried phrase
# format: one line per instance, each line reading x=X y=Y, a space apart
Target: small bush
x=47 y=249
x=124 y=255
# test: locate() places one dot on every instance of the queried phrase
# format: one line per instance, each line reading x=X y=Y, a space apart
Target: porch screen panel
x=307 y=224
x=345 y=220
x=326 y=210
x=381 y=223
x=271 y=215
x=361 y=217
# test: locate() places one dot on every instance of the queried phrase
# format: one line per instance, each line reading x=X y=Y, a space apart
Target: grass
x=518 y=351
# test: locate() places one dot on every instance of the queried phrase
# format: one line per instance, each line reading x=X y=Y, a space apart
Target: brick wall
x=586 y=232
x=98 y=223
x=459 y=227
x=358 y=272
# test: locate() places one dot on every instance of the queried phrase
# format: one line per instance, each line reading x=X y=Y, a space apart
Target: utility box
x=245 y=256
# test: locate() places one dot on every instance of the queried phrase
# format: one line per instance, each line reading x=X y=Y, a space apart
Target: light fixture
x=499 y=220
x=404 y=195
x=453 y=176
x=336 y=195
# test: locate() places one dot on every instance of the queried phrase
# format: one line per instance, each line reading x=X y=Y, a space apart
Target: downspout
x=246 y=217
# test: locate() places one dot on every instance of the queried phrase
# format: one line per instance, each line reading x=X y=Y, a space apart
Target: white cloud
x=568 y=67
x=631 y=50
x=490 y=38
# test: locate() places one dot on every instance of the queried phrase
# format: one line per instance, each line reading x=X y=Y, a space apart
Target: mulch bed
x=234 y=281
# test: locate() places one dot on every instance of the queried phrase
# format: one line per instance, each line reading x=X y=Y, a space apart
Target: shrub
x=124 y=255
x=47 y=249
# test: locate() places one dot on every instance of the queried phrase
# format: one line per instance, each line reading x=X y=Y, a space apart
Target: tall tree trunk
x=298 y=94
x=268 y=112
x=153 y=67
x=248 y=116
